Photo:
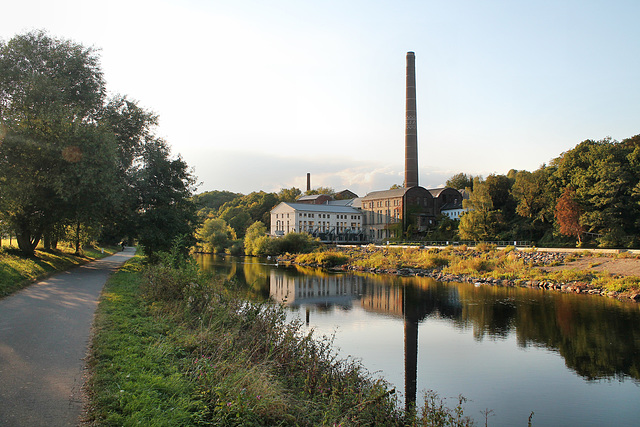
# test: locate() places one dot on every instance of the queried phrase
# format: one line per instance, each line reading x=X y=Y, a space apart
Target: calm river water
x=573 y=360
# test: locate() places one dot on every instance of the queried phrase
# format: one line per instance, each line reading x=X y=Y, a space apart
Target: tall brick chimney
x=308 y=181
x=411 y=130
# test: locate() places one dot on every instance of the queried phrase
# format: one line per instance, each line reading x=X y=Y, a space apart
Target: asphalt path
x=44 y=337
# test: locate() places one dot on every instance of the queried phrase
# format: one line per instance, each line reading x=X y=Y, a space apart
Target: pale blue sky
x=255 y=94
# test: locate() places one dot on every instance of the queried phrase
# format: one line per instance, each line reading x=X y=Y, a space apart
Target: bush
x=485 y=247
x=236 y=248
x=324 y=259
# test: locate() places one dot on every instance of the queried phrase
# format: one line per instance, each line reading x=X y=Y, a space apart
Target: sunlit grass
x=17 y=271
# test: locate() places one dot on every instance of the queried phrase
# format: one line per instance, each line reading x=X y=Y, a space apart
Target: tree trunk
x=78 y=238
x=46 y=241
x=27 y=241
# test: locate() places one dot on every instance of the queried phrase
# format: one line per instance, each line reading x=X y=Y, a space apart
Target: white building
x=328 y=222
x=453 y=211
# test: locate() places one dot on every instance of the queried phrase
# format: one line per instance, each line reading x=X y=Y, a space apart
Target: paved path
x=44 y=335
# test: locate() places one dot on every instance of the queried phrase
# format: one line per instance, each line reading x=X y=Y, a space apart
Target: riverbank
x=614 y=275
x=18 y=271
x=173 y=347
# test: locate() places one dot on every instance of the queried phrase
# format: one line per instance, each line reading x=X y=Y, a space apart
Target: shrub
x=324 y=259
x=485 y=247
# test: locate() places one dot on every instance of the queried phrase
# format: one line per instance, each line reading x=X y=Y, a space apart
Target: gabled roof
x=305 y=207
x=313 y=197
x=385 y=194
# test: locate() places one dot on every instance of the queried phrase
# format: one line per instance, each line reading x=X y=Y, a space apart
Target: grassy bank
x=172 y=347
x=18 y=271
x=484 y=262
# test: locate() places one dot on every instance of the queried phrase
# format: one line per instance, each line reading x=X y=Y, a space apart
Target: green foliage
x=323 y=258
x=481 y=221
x=53 y=151
x=321 y=190
x=295 y=243
x=236 y=248
x=439 y=414
x=460 y=181
x=165 y=186
x=210 y=202
x=136 y=361
x=70 y=158
x=289 y=194
x=255 y=238
x=216 y=235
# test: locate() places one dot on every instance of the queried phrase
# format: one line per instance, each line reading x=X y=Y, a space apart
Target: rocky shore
x=536 y=259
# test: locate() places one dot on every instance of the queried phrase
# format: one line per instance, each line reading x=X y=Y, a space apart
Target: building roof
x=313 y=197
x=305 y=207
x=344 y=202
x=451 y=206
x=435 y=192
x=385 y=194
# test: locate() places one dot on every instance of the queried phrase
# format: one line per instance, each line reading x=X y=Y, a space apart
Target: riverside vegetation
x=173 y=347
x=483 y=264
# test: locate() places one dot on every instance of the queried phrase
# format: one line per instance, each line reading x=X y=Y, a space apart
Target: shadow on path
x=44 y=335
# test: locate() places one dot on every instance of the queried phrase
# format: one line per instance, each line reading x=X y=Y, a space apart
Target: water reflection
x=598 y=338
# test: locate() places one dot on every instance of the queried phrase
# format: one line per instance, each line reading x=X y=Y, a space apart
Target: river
x=572 y=360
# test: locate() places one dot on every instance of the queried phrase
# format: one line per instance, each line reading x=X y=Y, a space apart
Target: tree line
x=589 y=195
x=77 y=164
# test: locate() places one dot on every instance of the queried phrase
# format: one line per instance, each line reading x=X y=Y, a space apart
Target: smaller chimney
x=308 y=181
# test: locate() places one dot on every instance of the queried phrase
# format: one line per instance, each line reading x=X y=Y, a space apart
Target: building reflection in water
x=403 y=299
x=597 y=338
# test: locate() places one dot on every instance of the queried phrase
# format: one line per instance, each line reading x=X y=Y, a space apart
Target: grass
x=18 y=271
x=483 y=262
x=173 y=347
x=136 y=378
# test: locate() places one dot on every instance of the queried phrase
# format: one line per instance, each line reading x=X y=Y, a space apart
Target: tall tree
x=289 y=194
x=568 y=215
x=460 y=181
x=167 y=212
x=50 y=90
x=603 y=177
x=480 y=222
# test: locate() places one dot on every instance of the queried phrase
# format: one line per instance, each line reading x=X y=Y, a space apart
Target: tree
x=289 y=194
x=499 y=187
x=50 y=92
x=568 y=213
x=460 y=181
x=210 y=202
x=216 y=235
x=481 y=220
x=321 y=190
x=603 y=175
x=166 y=210
x=254 y=239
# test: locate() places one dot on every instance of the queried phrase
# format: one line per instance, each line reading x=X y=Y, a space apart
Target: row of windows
x=385 y=203
x=325 y=226
x=321 y=215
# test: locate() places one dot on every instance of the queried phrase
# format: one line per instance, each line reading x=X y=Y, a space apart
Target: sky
x=256 y=94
